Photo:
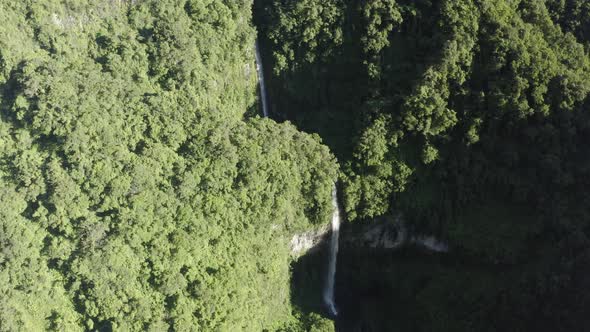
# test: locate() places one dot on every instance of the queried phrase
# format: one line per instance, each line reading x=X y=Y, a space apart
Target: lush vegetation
x=471 y=117
x=137 y=192
x=140 y=190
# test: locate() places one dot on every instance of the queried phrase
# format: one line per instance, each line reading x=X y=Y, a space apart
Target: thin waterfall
x=329 y=290
x=260 y=72
x=331 y=276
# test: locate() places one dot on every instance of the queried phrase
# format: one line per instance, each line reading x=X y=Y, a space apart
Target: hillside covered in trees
x=471 y=119
x=140 y=190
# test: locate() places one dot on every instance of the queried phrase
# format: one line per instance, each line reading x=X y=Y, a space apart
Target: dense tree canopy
x=470 y=117
x=140 y=190
x=452 y=85
x=136 y=193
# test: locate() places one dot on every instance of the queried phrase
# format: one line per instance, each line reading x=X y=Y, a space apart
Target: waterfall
x=329 y=290
x=260 y=72
x=331 y=276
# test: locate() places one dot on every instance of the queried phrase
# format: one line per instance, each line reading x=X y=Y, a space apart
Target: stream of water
x=331 y=276
x=329 y=289
x=260 y=72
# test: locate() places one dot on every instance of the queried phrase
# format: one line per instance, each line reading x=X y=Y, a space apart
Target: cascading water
x=260 y=72
x=329 y=290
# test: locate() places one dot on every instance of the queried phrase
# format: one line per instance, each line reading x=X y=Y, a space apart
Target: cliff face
x=388 y=232
x=382 y=233
x=307 y=242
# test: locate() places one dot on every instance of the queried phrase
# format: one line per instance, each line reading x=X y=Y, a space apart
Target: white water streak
x=329 y=290
x=260 y=72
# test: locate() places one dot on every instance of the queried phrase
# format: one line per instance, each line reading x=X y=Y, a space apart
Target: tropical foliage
x=469 y=117
x=136 y=192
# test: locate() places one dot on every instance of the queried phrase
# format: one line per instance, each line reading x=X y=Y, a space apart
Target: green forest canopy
x=450 y=104
x=139 y=191
x=136 y=192
x=469 y=117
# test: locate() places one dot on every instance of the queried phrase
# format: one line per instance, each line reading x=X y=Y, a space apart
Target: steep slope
x=136 y=192
x=470 y=119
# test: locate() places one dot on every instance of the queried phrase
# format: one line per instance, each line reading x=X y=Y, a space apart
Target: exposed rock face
x=430 y=242
x=303 y=242
x=388 y=233
x=382 y=233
